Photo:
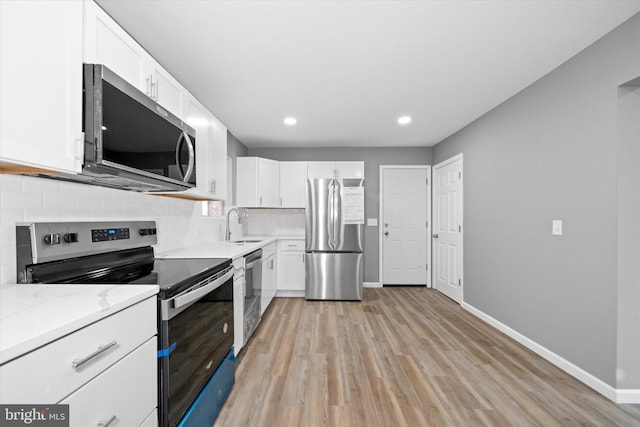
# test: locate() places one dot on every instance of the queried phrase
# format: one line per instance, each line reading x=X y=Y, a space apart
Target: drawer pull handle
x=101 y=349
x=106 y=423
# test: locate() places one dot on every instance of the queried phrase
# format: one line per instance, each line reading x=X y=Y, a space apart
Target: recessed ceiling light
x=290 y=121
x=404 y=120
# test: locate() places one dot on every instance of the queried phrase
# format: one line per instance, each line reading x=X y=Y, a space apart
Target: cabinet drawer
x=46 y=375
x=127 y=391
x=268 y=250
x=292 y=245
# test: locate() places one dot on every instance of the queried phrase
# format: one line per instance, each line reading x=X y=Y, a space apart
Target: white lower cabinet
x=291 y=273
x=122 y=395
x=105 y=369
x=269 y=276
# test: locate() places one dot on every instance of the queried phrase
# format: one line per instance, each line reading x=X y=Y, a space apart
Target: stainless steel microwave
x=131 y=142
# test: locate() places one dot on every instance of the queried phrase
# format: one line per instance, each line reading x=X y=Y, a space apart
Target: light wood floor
x=402 y=357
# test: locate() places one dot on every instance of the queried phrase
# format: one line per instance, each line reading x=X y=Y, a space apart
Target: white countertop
x=34 y=315
x=224 y=249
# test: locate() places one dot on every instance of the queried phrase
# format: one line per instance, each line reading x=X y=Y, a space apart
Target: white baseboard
x=616 y=395
x=371 y=284
x=628 y=396
x=288 y=294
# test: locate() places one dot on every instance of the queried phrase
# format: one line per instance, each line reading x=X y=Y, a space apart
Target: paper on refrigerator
x=353 y=205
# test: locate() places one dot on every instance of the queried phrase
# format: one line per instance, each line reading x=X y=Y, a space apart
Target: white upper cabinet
x=257 y=182
x=321 y=170
x=41 y=86
x=105 y=42
x=344 y=170
x=293 y=178
x=218 y=159
x=163 y=88
x=350 y=170
x=211 y=150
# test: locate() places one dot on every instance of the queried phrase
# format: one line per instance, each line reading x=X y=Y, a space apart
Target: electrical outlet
x=556 y=227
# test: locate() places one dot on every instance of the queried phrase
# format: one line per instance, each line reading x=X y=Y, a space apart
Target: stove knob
x=52 y=239
x=70 y=237
x=144 y=231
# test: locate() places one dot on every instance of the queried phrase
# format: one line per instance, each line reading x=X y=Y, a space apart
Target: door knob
x=386 y=233
x=435 y=236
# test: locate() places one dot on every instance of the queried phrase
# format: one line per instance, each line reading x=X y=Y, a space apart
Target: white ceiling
x=348 y=69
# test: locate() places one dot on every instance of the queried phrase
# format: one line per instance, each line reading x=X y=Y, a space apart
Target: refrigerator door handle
x=331 y=215
x=337 y=217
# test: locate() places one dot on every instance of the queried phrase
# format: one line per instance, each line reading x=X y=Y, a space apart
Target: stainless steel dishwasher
x=252 y=292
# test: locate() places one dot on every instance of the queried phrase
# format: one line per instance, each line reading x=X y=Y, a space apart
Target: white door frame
x=381 y=230
x=439 y=165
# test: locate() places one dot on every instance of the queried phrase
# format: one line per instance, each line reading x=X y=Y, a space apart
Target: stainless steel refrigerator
x=334 y=228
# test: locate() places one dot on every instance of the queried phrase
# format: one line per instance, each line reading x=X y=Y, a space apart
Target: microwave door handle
x=178 y=162
x=192 y=157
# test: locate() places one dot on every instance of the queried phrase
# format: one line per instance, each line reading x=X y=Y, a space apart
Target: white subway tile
x=11 y=182
x=59 y=203
x=33 y=184
x=14 y=201
x=74 y=189
x=88 y=205
x=42 y=216
x=100 y=193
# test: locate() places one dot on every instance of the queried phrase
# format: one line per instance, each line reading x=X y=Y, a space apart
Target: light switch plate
x=372 y=222
x=556 y=227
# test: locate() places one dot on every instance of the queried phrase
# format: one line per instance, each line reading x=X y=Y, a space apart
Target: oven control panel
x=107 y=234
x=49 y=241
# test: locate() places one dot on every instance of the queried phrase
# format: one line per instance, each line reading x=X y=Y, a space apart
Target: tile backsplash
x=274 y=221
x=29 y=199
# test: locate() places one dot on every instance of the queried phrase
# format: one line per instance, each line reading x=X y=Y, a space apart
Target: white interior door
x=447 y=226
x=404 y=225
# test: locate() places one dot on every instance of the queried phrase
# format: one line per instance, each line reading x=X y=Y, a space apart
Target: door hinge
x=460 y=229
x=427 y=224
x=427 y=181
x=459 y=282
x=427 y=267
x=460 y=175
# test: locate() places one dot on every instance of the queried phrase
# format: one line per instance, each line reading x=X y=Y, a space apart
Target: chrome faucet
x=227 y=234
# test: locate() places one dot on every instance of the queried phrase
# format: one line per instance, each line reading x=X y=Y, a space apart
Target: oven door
x=196 y=332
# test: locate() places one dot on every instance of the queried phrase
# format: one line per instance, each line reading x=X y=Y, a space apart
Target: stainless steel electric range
x=195 y=303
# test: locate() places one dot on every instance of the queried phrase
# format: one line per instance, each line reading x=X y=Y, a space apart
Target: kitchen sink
x=242 y=242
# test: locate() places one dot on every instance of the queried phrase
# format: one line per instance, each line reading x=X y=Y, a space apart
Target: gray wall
x=550 y=152
x=628 y=372
x=373 y=157
x=235 y=148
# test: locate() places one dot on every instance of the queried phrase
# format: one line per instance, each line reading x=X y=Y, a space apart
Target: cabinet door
x=41 y=80
x=164 y=89
x=105 y=42
x=124 y=393
x=291 y=271
x=269 y=183
x=269 y=283
x=218 y=158
x=350 y=170
x=293 y=177
x=247 y=181
x=321 y=169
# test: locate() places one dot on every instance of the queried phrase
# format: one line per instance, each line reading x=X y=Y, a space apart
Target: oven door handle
x=196 y=294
